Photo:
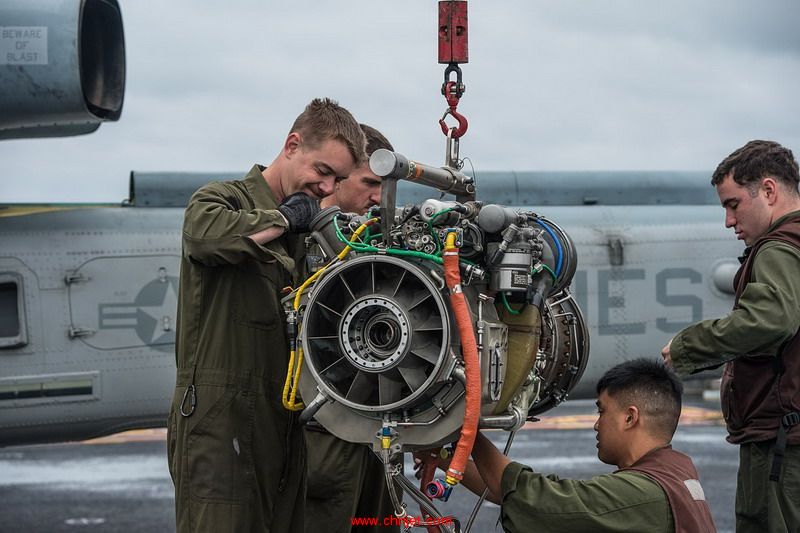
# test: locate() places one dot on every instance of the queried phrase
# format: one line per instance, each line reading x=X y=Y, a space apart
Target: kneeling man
x=655 y=488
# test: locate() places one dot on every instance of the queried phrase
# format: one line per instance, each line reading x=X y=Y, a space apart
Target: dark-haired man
x=236 y=456
x=362 y=188
x=347 y=480
x=655 y=489
x=759 y=340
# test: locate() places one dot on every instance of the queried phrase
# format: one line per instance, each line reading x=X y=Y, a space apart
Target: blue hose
x=558 y=246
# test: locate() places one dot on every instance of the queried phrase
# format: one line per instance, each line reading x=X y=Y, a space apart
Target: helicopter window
x=12 y=329
x=9 y=318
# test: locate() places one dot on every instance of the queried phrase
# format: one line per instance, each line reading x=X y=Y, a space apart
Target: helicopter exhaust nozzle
x=62 y=67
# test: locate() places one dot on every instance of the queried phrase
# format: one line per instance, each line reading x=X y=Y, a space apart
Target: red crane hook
x=452 y=102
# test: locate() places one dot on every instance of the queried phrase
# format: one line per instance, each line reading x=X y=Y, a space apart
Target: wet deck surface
x=121 y=483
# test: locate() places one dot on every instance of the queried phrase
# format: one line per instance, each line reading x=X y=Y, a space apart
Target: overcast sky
x=551 y=85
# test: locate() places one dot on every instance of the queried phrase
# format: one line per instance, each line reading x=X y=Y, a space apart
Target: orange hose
x=469 y=351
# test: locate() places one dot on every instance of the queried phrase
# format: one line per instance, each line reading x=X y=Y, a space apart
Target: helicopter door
x=125 y=302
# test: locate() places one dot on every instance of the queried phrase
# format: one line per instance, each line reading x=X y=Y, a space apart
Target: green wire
x=354 y=245
x=414 y=253
x=508 y=305
x=360 y=247
x=442 y=212
x=555 y=278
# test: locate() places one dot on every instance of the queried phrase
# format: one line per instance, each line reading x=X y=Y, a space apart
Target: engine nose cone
x=374 y=333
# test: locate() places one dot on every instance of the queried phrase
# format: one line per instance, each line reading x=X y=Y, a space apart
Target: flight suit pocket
x=753 y=486
x=220 y=455
x=728 y=400
x=258 y=304
x=790 y=476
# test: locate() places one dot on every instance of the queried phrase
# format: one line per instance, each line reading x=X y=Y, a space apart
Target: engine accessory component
x=495 y=218
x=324 y=234
x=438 y=489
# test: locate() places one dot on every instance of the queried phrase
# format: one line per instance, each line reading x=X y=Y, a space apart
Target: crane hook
x=452 y=102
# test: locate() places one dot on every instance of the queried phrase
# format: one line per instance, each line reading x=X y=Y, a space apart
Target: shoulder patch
x=695 y=489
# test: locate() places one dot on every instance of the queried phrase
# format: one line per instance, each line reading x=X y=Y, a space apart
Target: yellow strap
x=290 y=393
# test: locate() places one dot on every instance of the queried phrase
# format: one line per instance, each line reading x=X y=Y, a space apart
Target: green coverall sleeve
x=624 y=501
x=216 y=227
x=767 y=315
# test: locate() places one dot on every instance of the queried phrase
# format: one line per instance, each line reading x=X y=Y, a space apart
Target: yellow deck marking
x=11 y=210
x=690 y=416
x=134 y=435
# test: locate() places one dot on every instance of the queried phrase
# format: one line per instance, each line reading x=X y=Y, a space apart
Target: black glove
x=298 y=209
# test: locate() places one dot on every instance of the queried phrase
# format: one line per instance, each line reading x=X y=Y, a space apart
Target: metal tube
x=513 y=421
x=479 y=503
x=392 y=165
x=498 y=421
x=399 y=510
x=444 y=410
x=460 y=375
x=312 y=408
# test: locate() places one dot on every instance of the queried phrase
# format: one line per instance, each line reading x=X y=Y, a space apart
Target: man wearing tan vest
x=655 y=489
x=758 y=341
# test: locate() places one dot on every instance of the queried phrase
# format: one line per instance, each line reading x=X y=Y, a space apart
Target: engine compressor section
x=425 y=323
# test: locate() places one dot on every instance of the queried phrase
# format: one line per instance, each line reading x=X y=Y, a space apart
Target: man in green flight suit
x=655 y=489
x=236 y=455
x=759 y=340
x=353 y=469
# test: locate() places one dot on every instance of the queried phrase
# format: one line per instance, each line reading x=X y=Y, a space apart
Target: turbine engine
x=381 y=338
